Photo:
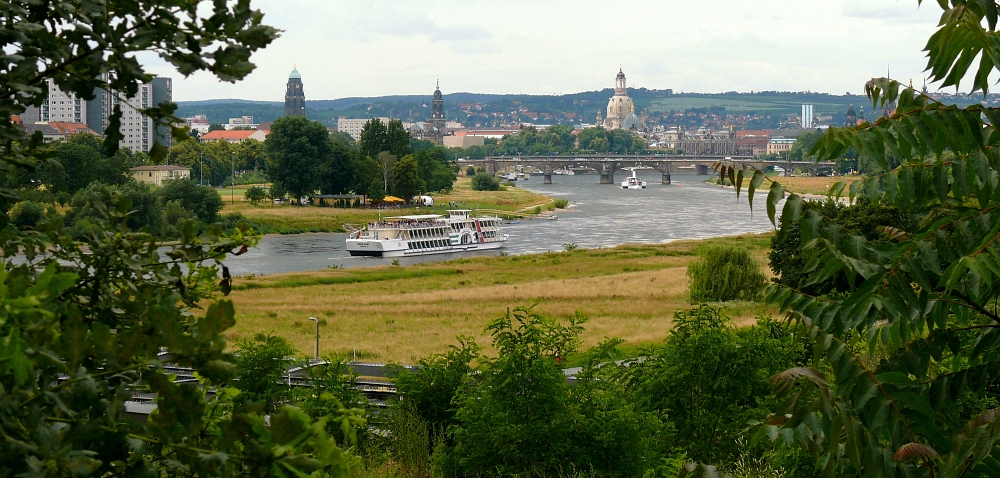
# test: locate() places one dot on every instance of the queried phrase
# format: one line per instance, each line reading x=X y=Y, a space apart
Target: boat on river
x=405 y=236
x=633 y=182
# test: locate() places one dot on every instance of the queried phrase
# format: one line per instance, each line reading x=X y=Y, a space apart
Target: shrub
x=203 y=201
x=27 y=214
x=255 y=194
x=485 y=182
x=561 y=203
x=725 y=272
x=470 y=171
x=261 y=366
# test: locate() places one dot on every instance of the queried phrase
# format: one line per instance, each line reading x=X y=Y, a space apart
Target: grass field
x=288 y=218
x=405 y=313
x=818 y=186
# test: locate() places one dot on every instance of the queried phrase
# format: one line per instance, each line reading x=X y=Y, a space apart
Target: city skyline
x=557 y=47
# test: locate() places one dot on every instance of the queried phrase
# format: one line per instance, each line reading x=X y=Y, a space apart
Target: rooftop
x=221 y=134
x=160 y=167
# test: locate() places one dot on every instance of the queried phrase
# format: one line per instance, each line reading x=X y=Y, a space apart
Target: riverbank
x=813 y=187
x=288 y=219
x=404 y=313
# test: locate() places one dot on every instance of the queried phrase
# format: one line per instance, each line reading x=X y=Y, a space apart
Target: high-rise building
x=807 y=116
x=61 y=106
x=295 y=98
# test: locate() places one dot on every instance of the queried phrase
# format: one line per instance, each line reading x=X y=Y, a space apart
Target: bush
x=485 y=182
x=27 y=214
x=561 y=203
x=203 y=201
x=725 y=272
x=255 y=194
x=470 y=171
x=866 y=218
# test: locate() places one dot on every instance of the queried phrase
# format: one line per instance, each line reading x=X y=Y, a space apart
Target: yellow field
x=328 y=218
x=406 y=313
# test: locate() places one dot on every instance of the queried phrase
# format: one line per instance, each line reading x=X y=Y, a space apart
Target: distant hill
x=492 y=109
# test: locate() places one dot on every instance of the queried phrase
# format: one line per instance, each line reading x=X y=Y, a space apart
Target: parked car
x=281 y=201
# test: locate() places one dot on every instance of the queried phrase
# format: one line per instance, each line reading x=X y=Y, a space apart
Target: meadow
x=395 y=313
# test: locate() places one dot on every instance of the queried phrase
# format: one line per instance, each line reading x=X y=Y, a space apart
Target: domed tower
x=437 y=111
x=295 y=97
x=852 y=117
x=620 y=105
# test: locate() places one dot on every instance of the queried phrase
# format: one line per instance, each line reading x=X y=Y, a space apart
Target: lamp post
x=314 y=319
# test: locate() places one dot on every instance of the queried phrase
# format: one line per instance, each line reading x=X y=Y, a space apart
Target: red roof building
x=233 y=136
x=70 y=129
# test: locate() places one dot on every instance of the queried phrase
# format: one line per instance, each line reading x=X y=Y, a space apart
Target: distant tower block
x=807 y=116
x=295 y=97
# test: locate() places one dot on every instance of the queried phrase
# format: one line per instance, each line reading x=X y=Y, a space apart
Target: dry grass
x=819 y=186
x=406 y=313
x=284 y=217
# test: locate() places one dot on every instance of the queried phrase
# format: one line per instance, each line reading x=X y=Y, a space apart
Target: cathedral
x=621 y=110
x=295 y=98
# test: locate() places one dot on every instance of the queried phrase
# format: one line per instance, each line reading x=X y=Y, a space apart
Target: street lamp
x=314 y=319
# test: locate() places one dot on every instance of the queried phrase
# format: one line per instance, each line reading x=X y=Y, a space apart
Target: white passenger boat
x=405 y=236
x=633 y=182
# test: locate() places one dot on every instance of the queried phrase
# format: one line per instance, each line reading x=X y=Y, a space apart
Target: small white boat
x=633 y=182
x=564 y=172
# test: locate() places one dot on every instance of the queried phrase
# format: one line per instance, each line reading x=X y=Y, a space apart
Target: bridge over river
x=607 y=165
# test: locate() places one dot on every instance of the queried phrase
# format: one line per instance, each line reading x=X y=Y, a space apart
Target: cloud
x=887 y=11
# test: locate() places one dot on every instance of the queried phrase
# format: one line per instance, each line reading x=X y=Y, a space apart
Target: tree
x=434 y=168
x=251 y=155
x=255 y=194
x=902 y=357
x=203 y=201
x=375 y=191
x=372 y=138
x=261 y=367
x=216 y=127
x=484 y=181
x=335 y=172
x=406 y=178
x=144 y=206
x=296 y=148
x=725 y=272
x=386 y=162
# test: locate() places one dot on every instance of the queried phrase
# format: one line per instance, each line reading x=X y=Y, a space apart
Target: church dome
x=631 y=122
x=438 y=95
x=295 y=74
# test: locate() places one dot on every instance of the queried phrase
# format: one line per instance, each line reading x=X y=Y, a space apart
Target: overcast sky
x=379 y=47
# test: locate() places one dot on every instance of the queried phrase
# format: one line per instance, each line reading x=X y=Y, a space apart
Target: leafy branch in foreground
x=901 y=355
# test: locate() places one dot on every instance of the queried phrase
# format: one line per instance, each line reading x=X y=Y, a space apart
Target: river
x=599 y=216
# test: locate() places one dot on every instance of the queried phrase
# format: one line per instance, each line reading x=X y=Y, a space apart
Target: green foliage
x=873 y=220
x=899 y=354
x=376 y=192
x=616 y=141
x=560 y=203
x=406 y=181
x=378 y=137
x=218 y=38
x=202 y=201
x=261 y=367
x=297 y=149
x=725 y=272
x=432 y=387
x=26 y=214
x=520 y=417
x=435 y=169
x=554 y=139
x=335 y=172
x=80 y=161
x=470 y=171
x=710 y=378
x=483 y=181
x=145 y=208
x=255 y=194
